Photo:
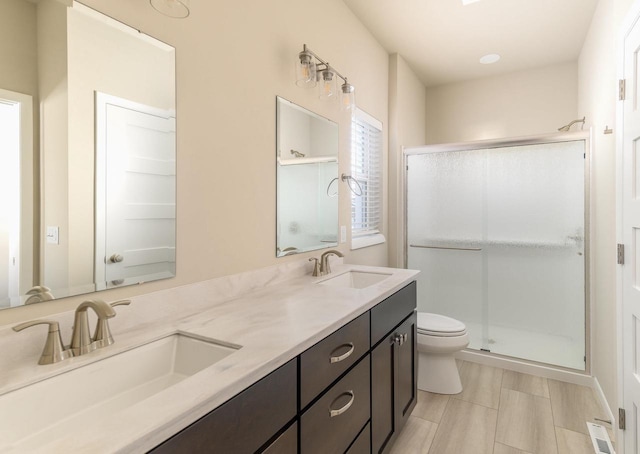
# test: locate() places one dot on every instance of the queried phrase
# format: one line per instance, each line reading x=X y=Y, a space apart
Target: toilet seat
x=439 y=325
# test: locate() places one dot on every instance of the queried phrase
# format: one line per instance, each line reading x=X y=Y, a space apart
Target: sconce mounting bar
x=327 y=65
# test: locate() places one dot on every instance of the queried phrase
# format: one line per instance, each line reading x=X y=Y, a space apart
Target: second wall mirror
x=307 y=180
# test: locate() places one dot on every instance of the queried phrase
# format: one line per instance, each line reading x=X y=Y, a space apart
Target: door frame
x=28 y=250
x=587 y=136
x=631 y=18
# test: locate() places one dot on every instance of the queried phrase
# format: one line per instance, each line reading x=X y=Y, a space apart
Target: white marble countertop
x=274 y=313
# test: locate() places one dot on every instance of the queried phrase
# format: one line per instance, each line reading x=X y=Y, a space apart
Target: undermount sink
x=355 y=279
x=60 y=405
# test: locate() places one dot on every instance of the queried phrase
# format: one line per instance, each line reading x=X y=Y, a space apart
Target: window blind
x=366 y=168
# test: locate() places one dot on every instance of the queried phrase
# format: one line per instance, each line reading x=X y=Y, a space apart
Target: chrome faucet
x=81 y=340
x=325 y=268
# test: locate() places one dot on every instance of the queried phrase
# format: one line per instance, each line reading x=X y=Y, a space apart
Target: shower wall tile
x=574 y=405
x=525 y=383
x=481 y=384
x=526 y=422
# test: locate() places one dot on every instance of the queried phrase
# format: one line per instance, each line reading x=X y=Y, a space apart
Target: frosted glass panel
x=499 y=236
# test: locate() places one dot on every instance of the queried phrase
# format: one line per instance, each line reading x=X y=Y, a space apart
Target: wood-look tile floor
x=501 y=412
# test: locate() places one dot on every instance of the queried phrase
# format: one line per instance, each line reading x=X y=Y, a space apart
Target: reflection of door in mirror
x=58 y=53
x=16 y=203
x=135 y=192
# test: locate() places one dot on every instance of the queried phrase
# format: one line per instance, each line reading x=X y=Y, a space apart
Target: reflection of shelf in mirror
x=300 y=161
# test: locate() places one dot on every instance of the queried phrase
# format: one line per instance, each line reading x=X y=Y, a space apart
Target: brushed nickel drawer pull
x=337 y=359
x=348 y=405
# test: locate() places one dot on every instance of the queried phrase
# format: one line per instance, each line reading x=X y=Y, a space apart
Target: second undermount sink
x=60 y=405
x=355 y=279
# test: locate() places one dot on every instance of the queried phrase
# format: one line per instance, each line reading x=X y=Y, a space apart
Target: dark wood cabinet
x=334 y=421
x=246 y=422
x=394 y=361
x=362 y=444
x=350 y=393
x=287 y=443
x=323 y=363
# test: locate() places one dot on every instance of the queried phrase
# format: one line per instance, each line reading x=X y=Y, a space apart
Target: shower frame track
x=560 y=137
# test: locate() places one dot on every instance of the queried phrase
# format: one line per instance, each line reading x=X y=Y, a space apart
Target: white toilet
x=439 y=338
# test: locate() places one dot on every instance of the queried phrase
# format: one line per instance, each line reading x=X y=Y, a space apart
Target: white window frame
x=364 y=237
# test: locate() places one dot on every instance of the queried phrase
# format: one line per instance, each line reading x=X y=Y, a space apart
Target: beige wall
x=233 y=58
x=407 y=121
x=52 y=71
x=18 y=44
x=536 y=101
x=597 y=69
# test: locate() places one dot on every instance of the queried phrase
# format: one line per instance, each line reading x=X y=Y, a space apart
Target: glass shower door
x=499 y=236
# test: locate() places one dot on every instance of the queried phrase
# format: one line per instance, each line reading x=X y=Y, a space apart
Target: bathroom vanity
x=317 y=365
x=362 y=376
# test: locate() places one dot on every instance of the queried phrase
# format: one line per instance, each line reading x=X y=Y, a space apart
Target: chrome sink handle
x=53 y=350
x=102 y=336
x=325 y=268
x=81 y=341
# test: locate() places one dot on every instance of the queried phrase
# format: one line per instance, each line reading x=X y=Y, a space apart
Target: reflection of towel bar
x=474 y=249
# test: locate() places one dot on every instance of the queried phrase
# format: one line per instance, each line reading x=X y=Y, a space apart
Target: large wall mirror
x=87 y=153
x=307 y=178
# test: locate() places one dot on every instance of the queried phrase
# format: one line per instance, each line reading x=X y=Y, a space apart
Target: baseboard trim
x=613 y=433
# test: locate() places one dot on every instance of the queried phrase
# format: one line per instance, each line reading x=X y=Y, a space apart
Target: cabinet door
x=393 y=383
x=406 y=370
x=382 y=407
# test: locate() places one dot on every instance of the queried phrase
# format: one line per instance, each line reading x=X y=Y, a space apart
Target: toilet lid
x=439 y=325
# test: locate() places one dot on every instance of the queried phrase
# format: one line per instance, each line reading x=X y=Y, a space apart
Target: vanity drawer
x=362 y=445
x=244 y=423
x=390 y=312
x=331 y=357
x=334 y=421
x=287 y=443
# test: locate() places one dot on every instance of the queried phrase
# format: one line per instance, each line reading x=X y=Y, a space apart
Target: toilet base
x=438 y=374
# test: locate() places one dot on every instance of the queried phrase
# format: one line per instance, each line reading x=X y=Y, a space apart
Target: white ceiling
x=442 y=40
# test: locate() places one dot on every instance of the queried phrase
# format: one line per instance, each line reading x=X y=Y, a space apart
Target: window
x=366 y=168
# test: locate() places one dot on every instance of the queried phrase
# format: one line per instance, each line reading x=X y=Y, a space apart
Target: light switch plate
x=53 y=236
x=343 y=233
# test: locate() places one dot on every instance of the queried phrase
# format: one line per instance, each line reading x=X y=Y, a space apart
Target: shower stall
x=500 y=232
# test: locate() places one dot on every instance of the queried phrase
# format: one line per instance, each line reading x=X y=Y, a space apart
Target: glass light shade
x=305 y=70
x=172 y=8
x=347 y=96
x=327 y=85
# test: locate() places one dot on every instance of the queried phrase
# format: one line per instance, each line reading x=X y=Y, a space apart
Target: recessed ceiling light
x=468 y=2
x=489 y=58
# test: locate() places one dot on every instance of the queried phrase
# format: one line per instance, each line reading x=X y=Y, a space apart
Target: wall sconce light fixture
x=313 y=71
x=172 y=8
